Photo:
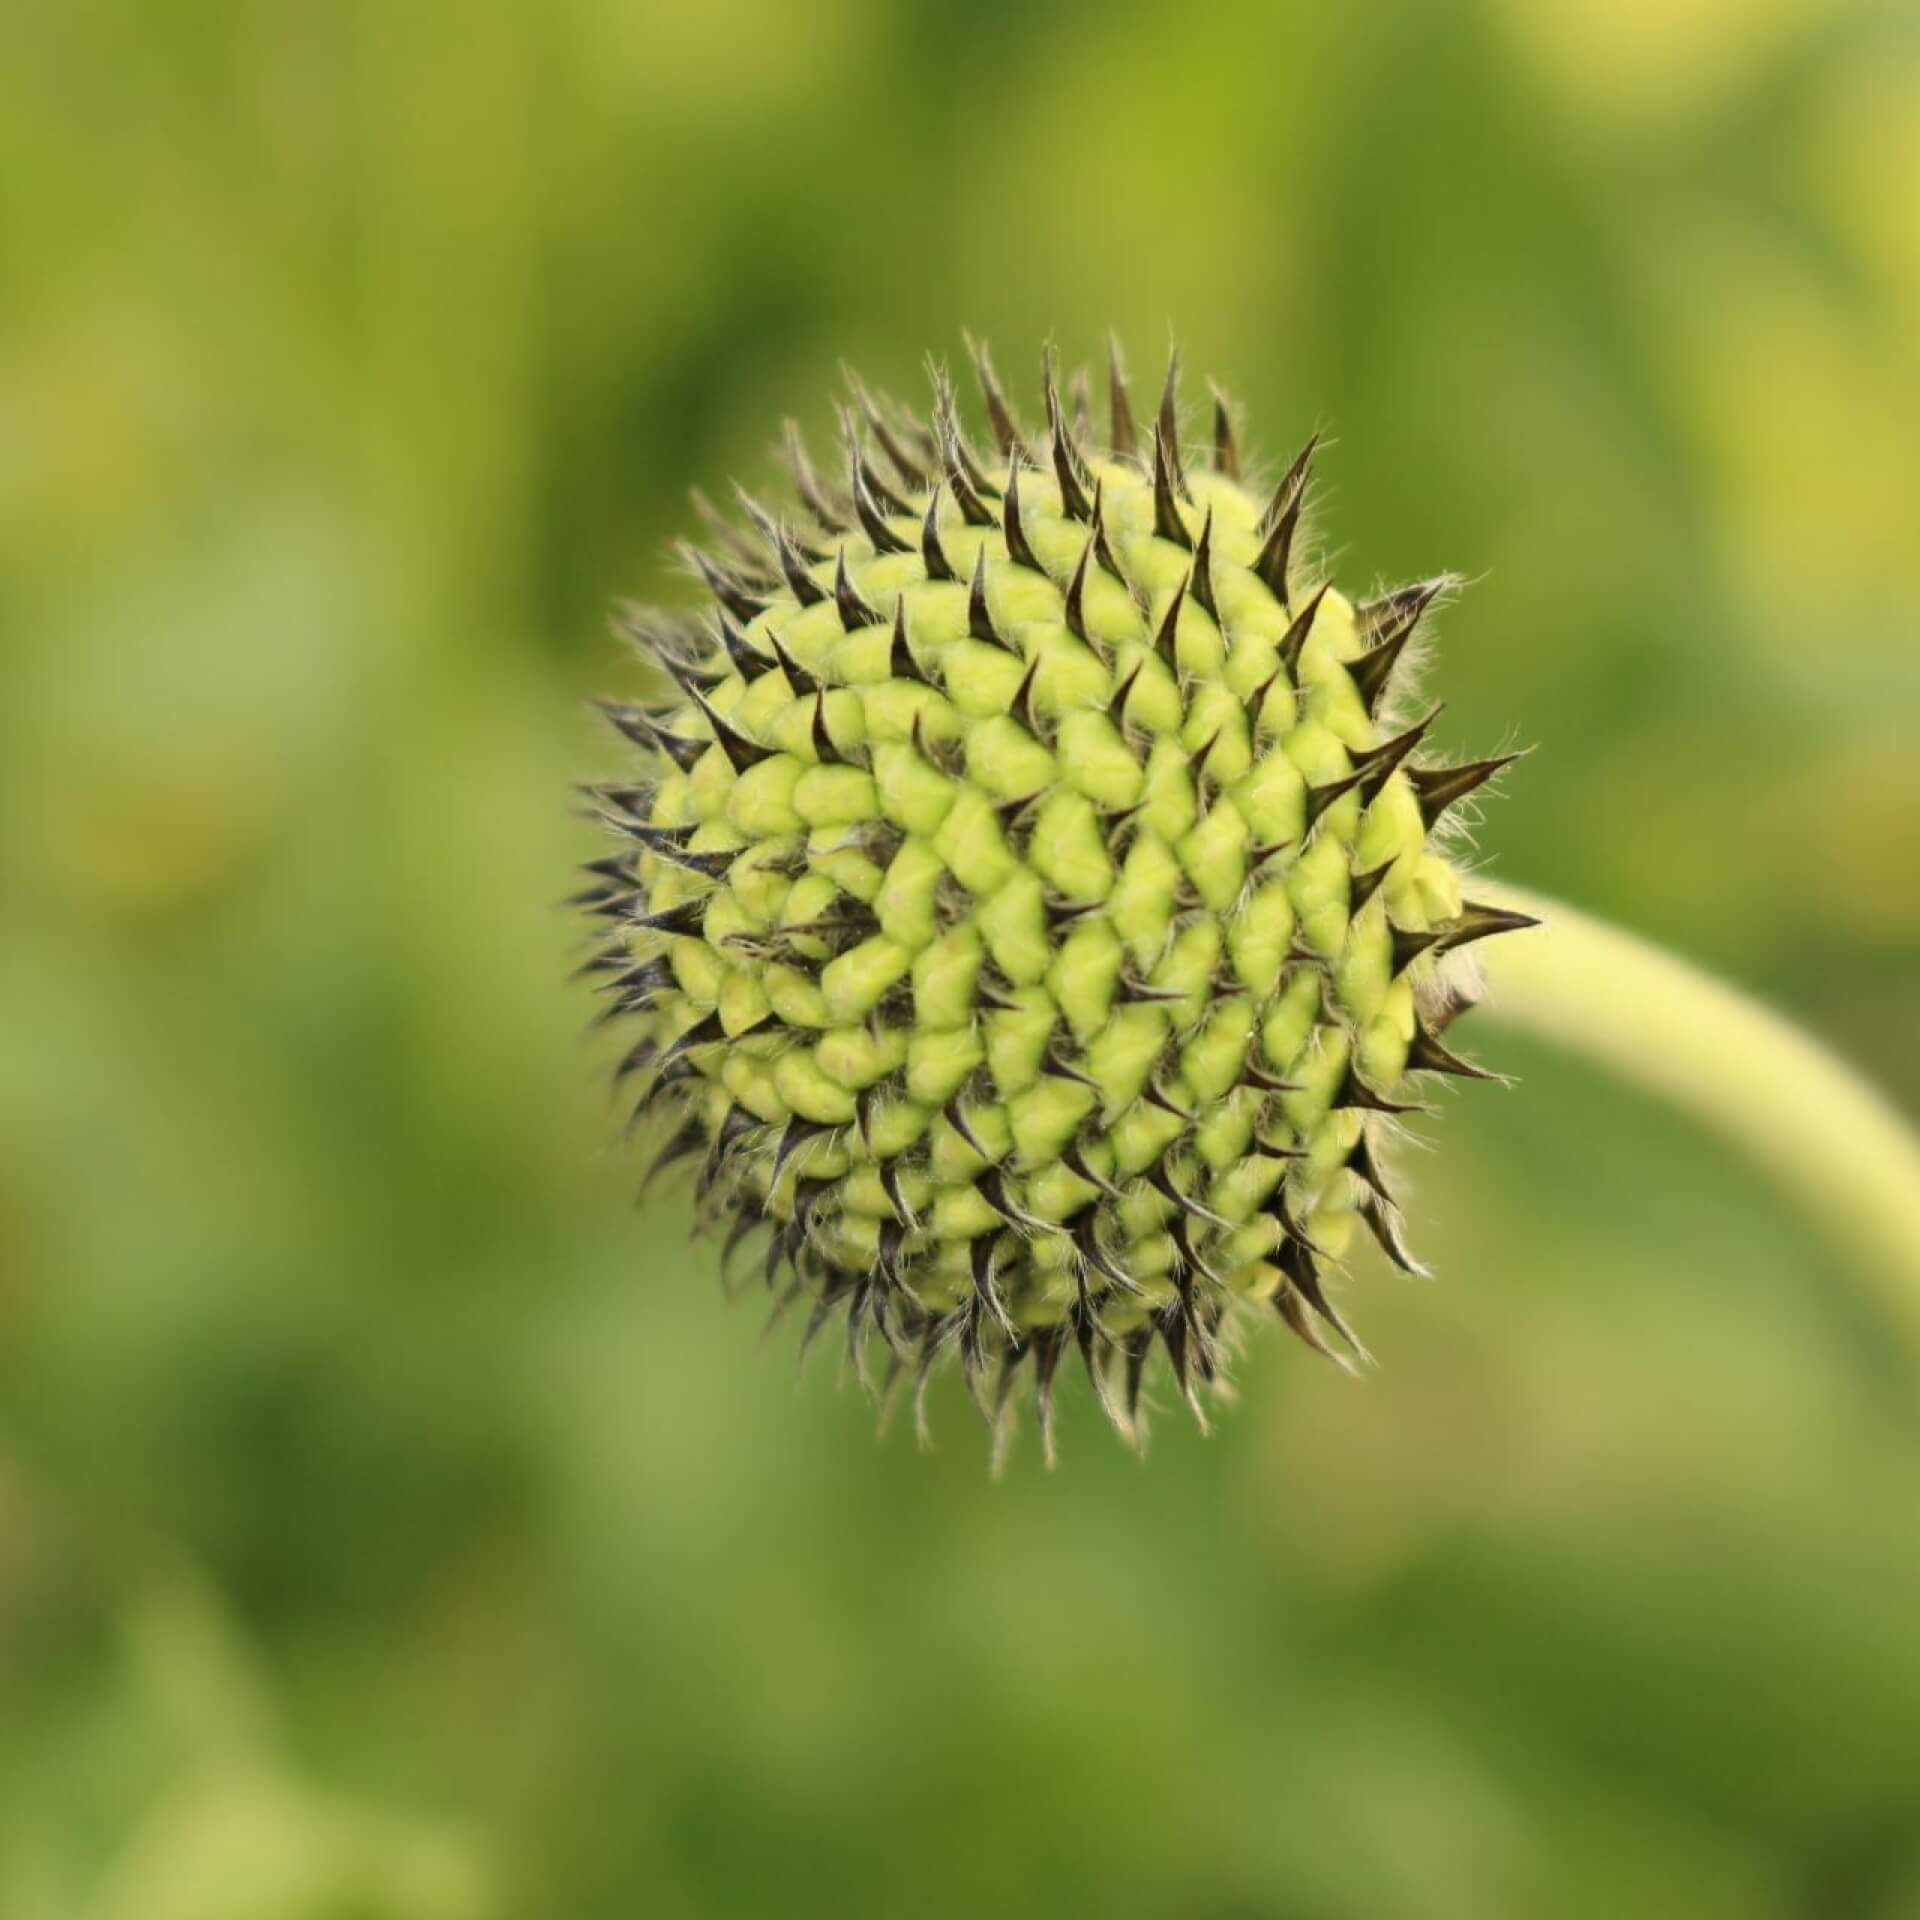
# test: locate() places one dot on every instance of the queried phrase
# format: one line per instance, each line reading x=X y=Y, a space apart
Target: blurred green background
x=396 y=1526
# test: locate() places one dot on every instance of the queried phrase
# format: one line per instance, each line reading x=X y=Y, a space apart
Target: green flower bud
x=1031 y=909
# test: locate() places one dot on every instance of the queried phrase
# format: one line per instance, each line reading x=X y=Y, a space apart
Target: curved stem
x=1830 y=1139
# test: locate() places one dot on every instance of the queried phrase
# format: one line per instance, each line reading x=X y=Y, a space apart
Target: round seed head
x=1028 y=913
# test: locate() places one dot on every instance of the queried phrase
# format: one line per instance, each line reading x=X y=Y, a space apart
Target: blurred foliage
x=391 y=1523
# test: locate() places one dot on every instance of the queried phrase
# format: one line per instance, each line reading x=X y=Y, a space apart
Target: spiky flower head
x=1029 y=906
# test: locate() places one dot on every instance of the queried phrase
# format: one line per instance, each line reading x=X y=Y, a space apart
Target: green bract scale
x=1030 y=907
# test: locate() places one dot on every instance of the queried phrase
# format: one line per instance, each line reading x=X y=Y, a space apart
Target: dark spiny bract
x=1026 y=917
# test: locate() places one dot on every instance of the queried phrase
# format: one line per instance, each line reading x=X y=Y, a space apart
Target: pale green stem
x=1823 y=1133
